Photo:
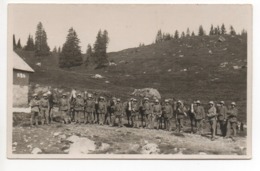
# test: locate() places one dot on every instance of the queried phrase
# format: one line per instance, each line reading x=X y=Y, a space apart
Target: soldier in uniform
x=102 y=110
x=129 y=111
x=146 y=112
x=118 y=113
x=135 y=115
x=110 y=110
x=221 y=118
x=64 y=107
x=192 y=116
x=199 y=114
x=167 y=114
x=156 y=115
x=89 y=110
x=232 y=120
x=180 y=114
x=44 y=108
x=35 y=109
x=212 y=114
x=79 y=108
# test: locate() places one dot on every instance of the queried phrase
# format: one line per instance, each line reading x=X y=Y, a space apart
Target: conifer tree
x=41 y=46
x=176 y=34
x=19 y=46
x=201 y=31
x=232 y=31
x=188 y=32
x=223 y=29
x=14 y=42
x=211 y=32
x=159 y=37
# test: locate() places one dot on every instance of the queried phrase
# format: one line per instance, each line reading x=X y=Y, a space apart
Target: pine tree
x=176 y=34
x=232 y=31
x=201 y=31
x=14 y=42
x=244 y=32
x=188 y=32
x=192 y=34
x=19 y=46
x=41 y=46
x=182 y=34
x=100 y=49
x=54 y=50
x=159 y=37
x=59 y=51
x=211 y=32
x=223 y=29
x=89 y=55
x=30 y=44
x=70 y=55
x=218 y=30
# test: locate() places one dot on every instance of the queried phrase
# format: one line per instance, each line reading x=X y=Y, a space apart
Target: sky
x=127 y=25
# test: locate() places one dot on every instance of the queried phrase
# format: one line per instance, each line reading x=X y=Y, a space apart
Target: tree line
x=70 y=54
x=160 y=36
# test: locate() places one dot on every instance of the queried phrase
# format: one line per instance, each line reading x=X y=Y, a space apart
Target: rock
x=41 y=143
x=223 y=64
x=150 y=149
x=107 y=82
x=15 y=143
x=73 y=138
x=181 y=56
x=144 y=72
x=210 y=52
x=29 y=146
x=39 y=64
x=98 y=76
x=147 y=92
x=224 y=49
x=56 y=134
x=169 y=70
x=184 y=70
x=236 y=67
x=36 y=151
x=82 y=146
x=14 y=149
x=104 y=146
x=221 y=39
x=112 y=64
x=62 y=136
x=134 y=147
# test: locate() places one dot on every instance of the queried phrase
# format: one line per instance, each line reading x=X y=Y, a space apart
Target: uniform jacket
x=147 y=108
x=102 y=107
x=157 y=109
x=119 y=109
x=35 y=104
x=212 y=113
x=167 y=111
x=180 y=111
x=232 y=114
x=79 y=104
x=90 y=105
x=44 y=103
x=199 y=112
x=135 y=108
x=64 y=104
x=222 y=112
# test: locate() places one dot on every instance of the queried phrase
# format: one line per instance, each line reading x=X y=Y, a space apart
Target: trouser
x=128 y=115
x=119 y=117
x=152 y=119
x=180 y=124
x=79 y=115
x=72 y=114
x=88 y=118
x=231 y=126
x=197 y=123
x=44 y=115
x=213 y=125
x=50 y=114
x=34 y=117
x=158 y=120
x=101 y=118
x=193 y=123
x=135 y=120
x=65 y=116
x=145 y=120
x=223 y=127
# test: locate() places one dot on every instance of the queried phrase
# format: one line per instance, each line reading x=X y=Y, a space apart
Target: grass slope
x=187 y=69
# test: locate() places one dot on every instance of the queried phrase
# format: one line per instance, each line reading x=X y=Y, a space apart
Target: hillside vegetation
x=191 y=68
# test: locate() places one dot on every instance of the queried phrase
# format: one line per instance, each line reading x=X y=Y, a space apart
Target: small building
x=21 y=73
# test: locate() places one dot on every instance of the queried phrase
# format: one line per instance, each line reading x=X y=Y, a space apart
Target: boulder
x=36 y=151
x=147 y=92
x=98 y=76
x=150 y=148
x=221 y=39
x=81 y=146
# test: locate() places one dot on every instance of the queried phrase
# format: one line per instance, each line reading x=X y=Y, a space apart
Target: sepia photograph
x=88 y=81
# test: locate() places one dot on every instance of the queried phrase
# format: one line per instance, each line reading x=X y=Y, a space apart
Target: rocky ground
x=58 y=138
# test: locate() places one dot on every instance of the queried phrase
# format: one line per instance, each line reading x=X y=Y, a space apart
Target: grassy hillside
x=189 y=69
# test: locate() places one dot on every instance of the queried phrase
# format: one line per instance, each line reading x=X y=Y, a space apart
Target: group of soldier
x=142 y=113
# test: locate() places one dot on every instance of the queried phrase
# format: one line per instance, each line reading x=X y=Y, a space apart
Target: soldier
x=79 y=108
x=64 y=107
x=102 y=110
x=167 y=113
x=192 y=116
x=44 y=108
x=232 y=120
x=89 y=110
x=129 y=111
x=110 y=110
x=135 y=114
x=199 y=114
x=221 y=118
x=146 y=112
x=212 y=114
x=156 y=115
x=34 y=104
x=119 y=112
x=180 y=114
